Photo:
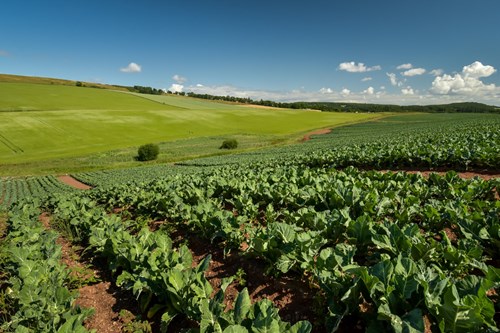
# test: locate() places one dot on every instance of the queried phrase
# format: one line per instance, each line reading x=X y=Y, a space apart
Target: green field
x=40 y=123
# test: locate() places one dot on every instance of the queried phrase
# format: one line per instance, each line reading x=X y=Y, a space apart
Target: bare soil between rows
x=68 y=180
x=101 y=294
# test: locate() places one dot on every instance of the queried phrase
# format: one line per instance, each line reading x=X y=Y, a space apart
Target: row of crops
x=16 y=189
x=403 y=142
x=34 y=296
x=383 y=252
x=391 y=250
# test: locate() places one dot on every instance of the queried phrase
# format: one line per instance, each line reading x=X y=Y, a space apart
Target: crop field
x=241 y=243
x=39 y=123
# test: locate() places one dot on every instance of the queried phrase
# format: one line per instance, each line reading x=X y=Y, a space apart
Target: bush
x=229 y=144
x=148 y=152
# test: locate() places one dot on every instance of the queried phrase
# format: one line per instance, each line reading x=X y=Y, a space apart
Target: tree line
x=333 y=106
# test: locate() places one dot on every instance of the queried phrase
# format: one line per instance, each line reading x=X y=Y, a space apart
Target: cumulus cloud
x=344 y=95
x=353 y=67
x=414 y=72
x=179 y=79
x=345 y=92
x=131 y=68
x=477 y=69
x=408 y=91
x=405 y=66
x=436 y=72
x=465 y=83
x=369 y=91
x=326 y=90
x=459 y=84
x=176 y=88
x=394 y=81
x=368 y=78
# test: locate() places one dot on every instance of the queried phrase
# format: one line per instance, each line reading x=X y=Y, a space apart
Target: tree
x=229 y=144
x=148 y=152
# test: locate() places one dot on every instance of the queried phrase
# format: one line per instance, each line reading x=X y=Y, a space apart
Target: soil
x=106 y=299
x=291 y=293
x=68 y=180
x=466 y=175
x=307 y=137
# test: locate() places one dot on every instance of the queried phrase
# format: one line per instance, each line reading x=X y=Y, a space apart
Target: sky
x=387 y=51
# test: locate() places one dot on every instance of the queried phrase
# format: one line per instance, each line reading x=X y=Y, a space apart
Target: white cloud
x=436 y=72
x=459 y=84
x=368 y=78
x=199 y=85
x=345 y=95
x=467 y=82
x=405 y=66
x=326 y=90
x=131 y=68
x=369 y=91
x=477 y=69
x=394 y=81
x=408 y=91
x=414 y=72
x=352 y=67
x=179 y=79
x=176 y=88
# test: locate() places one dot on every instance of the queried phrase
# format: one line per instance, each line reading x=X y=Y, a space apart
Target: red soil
x=67 y=179
x=307 y=137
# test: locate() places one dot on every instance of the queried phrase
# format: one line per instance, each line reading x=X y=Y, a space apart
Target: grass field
x=40 y=123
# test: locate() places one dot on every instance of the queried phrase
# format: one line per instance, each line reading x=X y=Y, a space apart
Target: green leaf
x=284 y=231
x=285 y=263
x=235 y=329
x=461 y=314
x=300 y=327
x=242 y=306
x=166 y=318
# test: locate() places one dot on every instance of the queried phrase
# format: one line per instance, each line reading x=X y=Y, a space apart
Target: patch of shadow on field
x=291 y=293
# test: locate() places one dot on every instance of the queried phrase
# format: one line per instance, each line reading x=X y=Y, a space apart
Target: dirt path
x=68 y=180
x=307 y=137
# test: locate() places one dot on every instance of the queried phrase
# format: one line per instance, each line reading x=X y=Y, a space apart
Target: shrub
x=229 y=144
x=148 y=152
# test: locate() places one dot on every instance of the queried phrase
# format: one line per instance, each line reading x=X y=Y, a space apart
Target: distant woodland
x=335 y=106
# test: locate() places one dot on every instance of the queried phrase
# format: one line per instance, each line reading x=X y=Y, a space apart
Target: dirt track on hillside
x=68 y=180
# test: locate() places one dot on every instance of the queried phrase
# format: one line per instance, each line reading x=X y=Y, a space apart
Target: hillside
x=45 y=80
x=46 y=122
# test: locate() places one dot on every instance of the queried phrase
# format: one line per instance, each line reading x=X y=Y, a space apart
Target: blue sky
x=401 y=52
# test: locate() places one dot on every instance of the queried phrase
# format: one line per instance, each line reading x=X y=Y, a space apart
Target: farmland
x=369 y=250
x=241 y=242
x=57 y=128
